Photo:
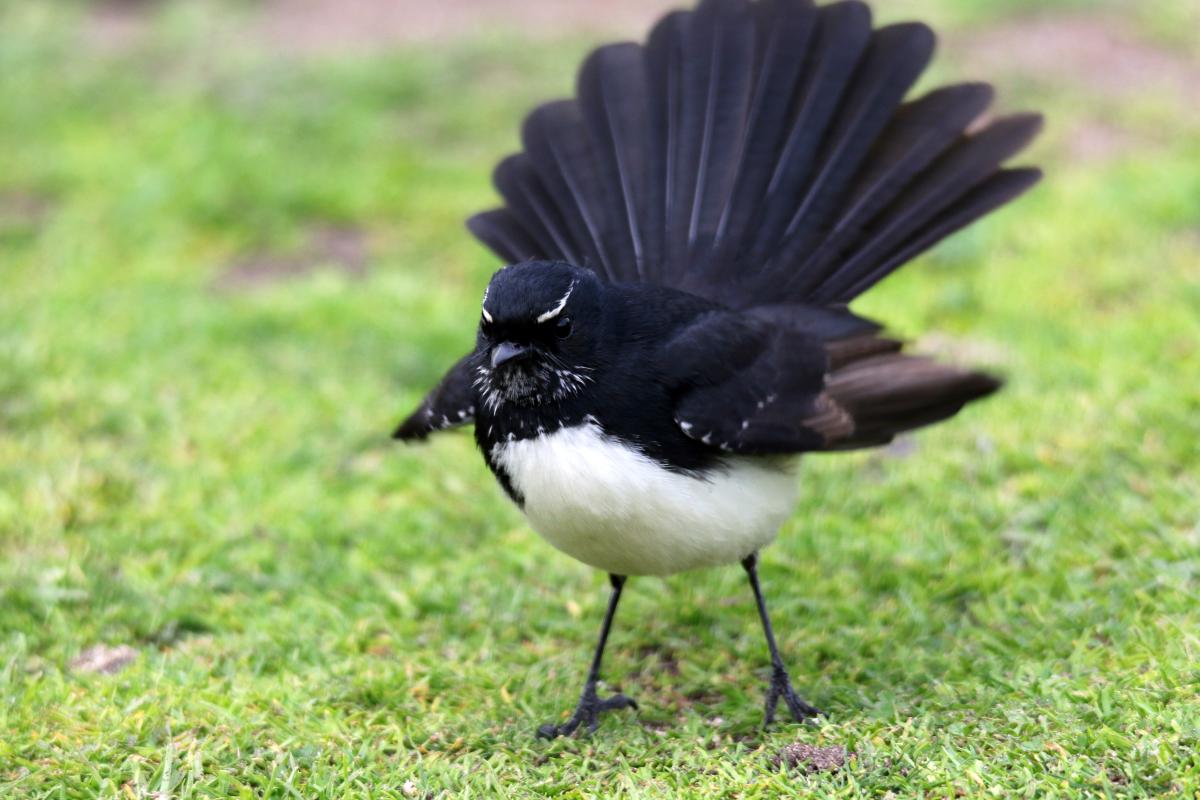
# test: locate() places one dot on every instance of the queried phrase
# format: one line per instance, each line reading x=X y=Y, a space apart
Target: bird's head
x=537 y=334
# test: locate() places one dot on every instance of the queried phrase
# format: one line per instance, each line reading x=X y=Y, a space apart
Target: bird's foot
x=781 y=689
x=587 y=713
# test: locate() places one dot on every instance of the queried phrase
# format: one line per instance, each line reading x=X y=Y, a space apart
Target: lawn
x=225 y=279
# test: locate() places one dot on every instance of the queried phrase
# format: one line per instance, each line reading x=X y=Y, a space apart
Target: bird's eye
x=485 y=325
x=563 y=328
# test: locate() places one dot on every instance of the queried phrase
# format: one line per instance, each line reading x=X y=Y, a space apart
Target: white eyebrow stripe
x=554 y=312
x=487 y=317
x=483 y=303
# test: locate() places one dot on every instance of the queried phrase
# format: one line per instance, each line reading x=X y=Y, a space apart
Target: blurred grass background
x=232 y=256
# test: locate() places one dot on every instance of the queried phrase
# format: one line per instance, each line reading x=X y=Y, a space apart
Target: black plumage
x=686 y=234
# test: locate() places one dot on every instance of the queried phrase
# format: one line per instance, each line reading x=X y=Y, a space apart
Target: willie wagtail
x=684 y=237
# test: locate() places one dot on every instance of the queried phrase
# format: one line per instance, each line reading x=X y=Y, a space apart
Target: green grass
x=1010 y=608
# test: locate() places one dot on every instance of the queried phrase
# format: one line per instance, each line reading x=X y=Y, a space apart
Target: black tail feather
x=664 y=74
x=785 y=30
x=500 y=230
x=713 y=75
x=556 y=140
x=843 y=34
x=614 y=100
x=952 y=176
x=727 y=89
x=1000 y=188
x=893 y=62
x=920 y=132
x=518 y=183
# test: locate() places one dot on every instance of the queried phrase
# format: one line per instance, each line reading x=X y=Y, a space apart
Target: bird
x=671 y=332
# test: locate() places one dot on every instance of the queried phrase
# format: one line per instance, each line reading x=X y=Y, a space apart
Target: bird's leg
x=781 y=685
x=587 y=714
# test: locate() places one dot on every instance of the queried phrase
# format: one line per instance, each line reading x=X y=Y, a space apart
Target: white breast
x=610 y=506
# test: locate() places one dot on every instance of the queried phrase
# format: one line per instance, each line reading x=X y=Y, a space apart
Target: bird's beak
x=507 y=351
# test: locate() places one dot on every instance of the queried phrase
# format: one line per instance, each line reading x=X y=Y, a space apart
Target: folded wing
x=744 y=383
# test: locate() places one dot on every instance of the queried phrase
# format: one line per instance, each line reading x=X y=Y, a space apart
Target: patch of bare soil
x=318 y=25
x=102 y=659
x=344 y=249
x=21 y=210
x=1093 y=55
x=1096 y=54
x=1099 y=54
x=332 y=26
x=810 y=758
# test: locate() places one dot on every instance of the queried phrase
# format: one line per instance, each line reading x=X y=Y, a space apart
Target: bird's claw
x=781 y=689
x=587 y=713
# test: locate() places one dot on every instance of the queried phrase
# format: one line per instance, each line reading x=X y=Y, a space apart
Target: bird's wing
x=745 y=387
x=885 y=391
x=755 y=152
x=824 y=380
x=450 y=404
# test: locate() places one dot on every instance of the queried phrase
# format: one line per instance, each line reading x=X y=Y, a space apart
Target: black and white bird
x=684 y=238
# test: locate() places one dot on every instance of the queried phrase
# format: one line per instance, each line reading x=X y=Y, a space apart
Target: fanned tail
x=756 y=153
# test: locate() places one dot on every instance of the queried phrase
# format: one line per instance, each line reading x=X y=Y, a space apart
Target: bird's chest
x=609 y=505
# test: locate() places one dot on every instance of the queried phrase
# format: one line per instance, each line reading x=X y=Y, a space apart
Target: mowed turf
x=225 y=277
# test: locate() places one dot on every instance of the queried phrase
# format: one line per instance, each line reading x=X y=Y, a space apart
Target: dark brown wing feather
x=886 y=392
